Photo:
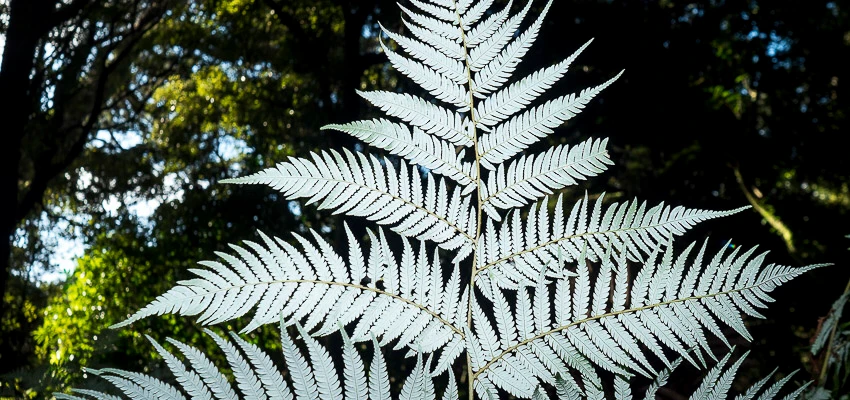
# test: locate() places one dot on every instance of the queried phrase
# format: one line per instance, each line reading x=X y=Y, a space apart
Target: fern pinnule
x=517 y=96
x=495 y=74
x=431 y=118
x=515 y=135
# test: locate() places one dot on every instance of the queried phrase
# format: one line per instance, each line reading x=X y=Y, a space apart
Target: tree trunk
x=22 y=38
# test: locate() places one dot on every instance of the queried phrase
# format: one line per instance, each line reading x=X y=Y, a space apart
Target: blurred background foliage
x=122 y=116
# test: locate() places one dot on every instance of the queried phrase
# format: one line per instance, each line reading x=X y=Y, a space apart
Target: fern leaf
x=724 y=383
x=504 y=320
x=483 y=53
x=299 y=283
x=472 y=15
x=622 y=390
x=418 y=148
x=512 y=377
x=324 y=372
x=450 y=353
x=440 y=12
x=661 y=380
x=217 y=383
x=247 y=381
x=431 y=118
x=93 y=393
x=447 y=46
x=273 y=383
x=353 y=371
x=451 y=392
x=525 y=247
x=189 y=380
x=136 y=385
x=602 y=318
x=494 y=75
x=366 y=186
x=501 y=105
x=413 y=385
x=299 y=369
x=484 y=30
x=437 y=61
x=530 y=178
x=379 y=381
x=260 y=379
x=441 y=28
x=516 y=134
x=715 y=385
x=439 y=85
x=460 y=6
x=130 y=388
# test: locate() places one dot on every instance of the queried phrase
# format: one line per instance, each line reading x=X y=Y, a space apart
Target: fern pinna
x=537 y=296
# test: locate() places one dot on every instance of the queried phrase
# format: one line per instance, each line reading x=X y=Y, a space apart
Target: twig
x=771 y=219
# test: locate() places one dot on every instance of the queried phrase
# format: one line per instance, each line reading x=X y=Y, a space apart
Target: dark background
x=121 y=115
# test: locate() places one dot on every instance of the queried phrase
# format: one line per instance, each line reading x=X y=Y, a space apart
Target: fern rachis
x=527 y=267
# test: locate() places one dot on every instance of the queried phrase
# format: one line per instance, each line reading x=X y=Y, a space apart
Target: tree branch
x=768 y=216
x=35 y=192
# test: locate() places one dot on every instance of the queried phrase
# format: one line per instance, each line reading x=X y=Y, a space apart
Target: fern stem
x=479 y=209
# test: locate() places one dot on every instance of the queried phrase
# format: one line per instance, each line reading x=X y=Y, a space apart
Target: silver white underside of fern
x=459 y=180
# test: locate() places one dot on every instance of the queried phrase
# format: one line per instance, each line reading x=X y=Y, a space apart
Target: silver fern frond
x=497 y=72
x=531 y=177
x=549 y=297
x=516 y=97
x=431 y=118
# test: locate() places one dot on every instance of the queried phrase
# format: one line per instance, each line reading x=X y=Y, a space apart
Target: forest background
x=120 y=117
